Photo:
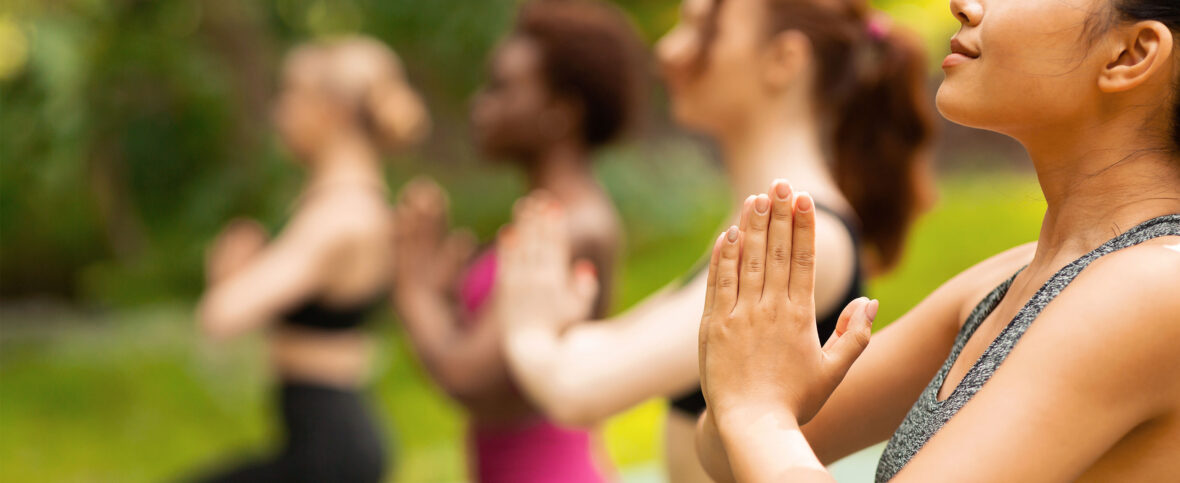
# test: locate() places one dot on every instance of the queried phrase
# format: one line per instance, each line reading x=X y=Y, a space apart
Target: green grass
x=135 y=396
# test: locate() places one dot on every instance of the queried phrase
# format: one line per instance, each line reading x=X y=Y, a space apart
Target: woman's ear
x=1140 y=51
x=785 y=59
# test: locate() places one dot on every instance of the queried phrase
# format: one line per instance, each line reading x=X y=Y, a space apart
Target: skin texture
x=334 y=248
x=754 y=99
x=1086 y=389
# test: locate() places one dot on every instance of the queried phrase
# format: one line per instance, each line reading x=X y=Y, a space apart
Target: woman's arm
x=579 y=374
x=268 y=283
x=583 y=372
x=464 y=361
x=1028 y=417
x=885 y=381
x=1097 y=365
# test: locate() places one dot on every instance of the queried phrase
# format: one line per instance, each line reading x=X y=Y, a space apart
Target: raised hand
x=534 y=283
x=238 y=242
x=429 y=257
x=758 y=349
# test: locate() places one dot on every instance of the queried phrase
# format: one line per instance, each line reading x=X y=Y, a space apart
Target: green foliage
x=131 y=129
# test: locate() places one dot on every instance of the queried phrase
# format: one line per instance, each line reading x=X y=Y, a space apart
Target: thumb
x=584 y=287
x=852 y=342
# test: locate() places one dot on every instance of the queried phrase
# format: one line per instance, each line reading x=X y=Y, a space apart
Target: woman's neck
x=563 y=170
x=1097 y=185
x=346 y=161
x=786 y=147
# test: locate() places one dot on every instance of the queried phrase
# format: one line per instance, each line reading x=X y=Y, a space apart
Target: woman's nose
x=969 y=12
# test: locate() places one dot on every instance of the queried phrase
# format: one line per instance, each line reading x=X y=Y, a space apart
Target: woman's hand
x=429 y=257
x=759 y=353
x=238 y=242
x=534 y=286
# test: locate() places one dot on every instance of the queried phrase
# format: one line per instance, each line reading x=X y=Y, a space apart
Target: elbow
x=569 y=403
x=461 y=385
x=573 y=416
x=214 y=322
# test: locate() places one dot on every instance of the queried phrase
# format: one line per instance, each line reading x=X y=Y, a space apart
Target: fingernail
x=871 y=310
x=804 y=203
x=750 y=199
x=732 y=234
x=782 y=189
x=761 y=204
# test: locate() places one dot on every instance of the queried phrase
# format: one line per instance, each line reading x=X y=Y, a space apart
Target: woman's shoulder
x=594 y=226
x=1142 y=281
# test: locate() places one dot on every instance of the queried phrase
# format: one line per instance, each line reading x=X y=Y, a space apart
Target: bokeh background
x=131 y=129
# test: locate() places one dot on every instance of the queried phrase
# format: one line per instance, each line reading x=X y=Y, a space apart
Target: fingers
x=849 y=345
x=744 y=215
x=727 y=273
x=778 y=241
x=711 y=275
x=845 y=318
x=802 y=276
x=429 y=201
x=583 y=288
x=710 y=294
x=753 y=265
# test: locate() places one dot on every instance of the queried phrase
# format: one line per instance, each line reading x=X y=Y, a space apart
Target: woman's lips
x=953 y=60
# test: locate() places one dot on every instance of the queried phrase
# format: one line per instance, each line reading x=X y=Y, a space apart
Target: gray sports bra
x=928 y=415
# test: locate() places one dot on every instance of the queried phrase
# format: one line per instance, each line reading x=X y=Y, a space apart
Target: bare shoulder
x=332 y=226
x=836 y=255
x=1142 y=282
x=594 y=227
x=1122 y=316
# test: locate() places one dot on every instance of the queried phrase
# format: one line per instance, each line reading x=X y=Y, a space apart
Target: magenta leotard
x=536 y=451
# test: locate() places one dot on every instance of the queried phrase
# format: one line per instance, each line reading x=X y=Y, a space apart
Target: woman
x=316 y=283
x=783 y=87
x=1066 y=368
x=563 y=84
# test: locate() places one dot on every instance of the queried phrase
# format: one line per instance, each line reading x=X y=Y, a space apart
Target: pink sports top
x=536 y=451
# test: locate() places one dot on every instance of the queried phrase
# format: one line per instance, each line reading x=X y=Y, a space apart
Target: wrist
x=739 y=420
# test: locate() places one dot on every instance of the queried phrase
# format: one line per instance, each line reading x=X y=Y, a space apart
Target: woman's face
x=710 y=96
x=304 y=115
x=1020 y=64
x=508 y=113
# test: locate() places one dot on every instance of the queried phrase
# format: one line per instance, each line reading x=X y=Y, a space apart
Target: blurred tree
x=130 y=129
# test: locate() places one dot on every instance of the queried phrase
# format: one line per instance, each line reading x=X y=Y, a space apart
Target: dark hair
x=590 y=52
x=1168 y=13
x=871 y=92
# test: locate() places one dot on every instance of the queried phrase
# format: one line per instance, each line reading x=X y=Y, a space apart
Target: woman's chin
x=953 y=107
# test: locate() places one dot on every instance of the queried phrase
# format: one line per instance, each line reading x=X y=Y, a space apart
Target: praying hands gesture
x=762 y=371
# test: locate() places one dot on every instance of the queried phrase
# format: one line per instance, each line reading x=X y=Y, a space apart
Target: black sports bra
x=318 y=315
x=692 y=403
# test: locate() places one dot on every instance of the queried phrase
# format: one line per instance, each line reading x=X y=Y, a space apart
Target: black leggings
x=330 y=437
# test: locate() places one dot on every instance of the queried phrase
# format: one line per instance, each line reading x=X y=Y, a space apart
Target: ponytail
x=881 y=132
x=870 y=89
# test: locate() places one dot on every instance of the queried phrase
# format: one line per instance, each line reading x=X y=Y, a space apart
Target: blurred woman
x=1053 y=361
x=314 y=286
x=564 y=83
x=824 y=93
